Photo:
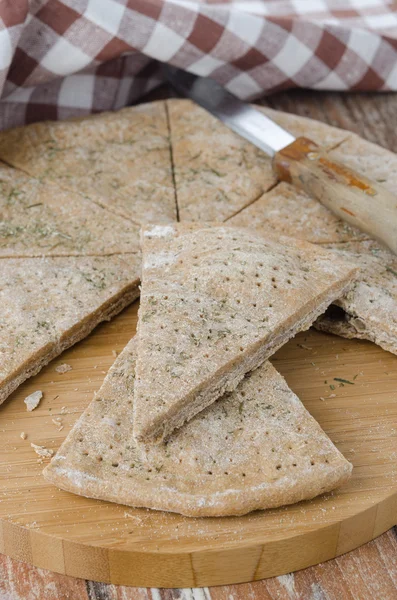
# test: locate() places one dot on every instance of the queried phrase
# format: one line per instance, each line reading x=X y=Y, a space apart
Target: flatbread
x=369 y=309
x=48 y=304
x=291 y=212
x=120 y=160
x=41 y=219
x=218 y=173
x=215 y=303
x=256 y=448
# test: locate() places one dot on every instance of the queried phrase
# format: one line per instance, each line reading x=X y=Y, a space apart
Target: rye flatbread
x=120 y=160
x=215 y=303
x=48 y=304
x=41 y=219
x=217 y=172
x=255 y=448
x=292 y=212
x=369 y=309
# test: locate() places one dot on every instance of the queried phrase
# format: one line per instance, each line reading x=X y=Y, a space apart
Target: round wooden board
x=96 y=540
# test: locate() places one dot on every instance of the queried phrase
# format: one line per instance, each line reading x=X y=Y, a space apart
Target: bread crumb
x=63 y=410
x=33 y=400
x=23 y=435
x=128 y=515
x=115 y=353
x=42 y=451
x=63 y=368
x=58 y=422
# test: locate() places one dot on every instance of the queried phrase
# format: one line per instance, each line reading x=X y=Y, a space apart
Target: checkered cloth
x=62 y=58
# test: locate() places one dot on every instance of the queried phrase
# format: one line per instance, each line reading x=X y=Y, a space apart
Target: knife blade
x=300 y=161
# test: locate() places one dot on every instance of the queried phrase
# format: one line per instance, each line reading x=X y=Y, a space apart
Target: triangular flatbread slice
x=218 y=173
x=369 y=309
x=256 y=448
x=292 y=212
x=48 y=304
x=215 y=303
x=42 y=219
x=120 y=160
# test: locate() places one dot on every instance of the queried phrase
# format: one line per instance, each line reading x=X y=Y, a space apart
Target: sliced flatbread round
x=215 y=303
x=256 y=448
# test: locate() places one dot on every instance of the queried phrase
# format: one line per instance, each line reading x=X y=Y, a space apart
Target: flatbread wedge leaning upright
x=216 y=302
x=254 y=449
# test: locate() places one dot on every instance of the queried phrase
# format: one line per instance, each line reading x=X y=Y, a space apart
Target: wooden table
x=368 y=573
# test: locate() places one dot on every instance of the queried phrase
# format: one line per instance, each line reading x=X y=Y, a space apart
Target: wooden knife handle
x=350 y=195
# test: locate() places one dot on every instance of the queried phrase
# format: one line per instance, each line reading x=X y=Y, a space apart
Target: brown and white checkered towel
x=60 y=58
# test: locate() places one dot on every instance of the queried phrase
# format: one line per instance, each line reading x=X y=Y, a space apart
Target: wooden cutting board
x=96 y=540
x=101 y=541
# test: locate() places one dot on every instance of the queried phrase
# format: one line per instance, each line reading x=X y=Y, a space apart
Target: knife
x=300 y=161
